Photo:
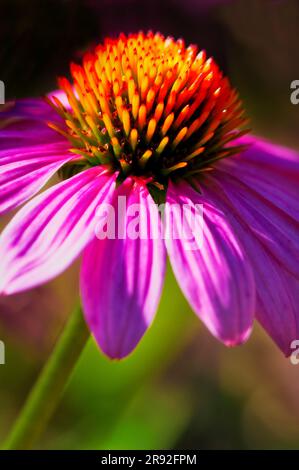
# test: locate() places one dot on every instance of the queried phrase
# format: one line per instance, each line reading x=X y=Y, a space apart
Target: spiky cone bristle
x=147 y=105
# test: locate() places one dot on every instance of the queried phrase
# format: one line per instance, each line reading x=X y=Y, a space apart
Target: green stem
x=47 y=391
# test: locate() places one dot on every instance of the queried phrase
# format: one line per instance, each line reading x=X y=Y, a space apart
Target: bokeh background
x=180 y=388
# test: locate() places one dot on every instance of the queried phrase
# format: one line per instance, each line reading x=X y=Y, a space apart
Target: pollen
x=147 y=105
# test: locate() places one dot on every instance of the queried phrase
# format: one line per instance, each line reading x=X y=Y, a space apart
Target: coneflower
x=147 y=118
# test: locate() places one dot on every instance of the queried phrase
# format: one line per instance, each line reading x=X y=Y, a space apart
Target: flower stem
x=47 y=391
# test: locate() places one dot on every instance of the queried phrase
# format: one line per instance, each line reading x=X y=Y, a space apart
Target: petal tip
x=238 y=340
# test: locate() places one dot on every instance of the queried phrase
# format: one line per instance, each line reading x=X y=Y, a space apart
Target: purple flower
x=145 y=119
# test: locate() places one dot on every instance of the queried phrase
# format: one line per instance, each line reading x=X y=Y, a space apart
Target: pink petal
x=61 y=95
x=50 y=231
x=277 y=291
x=122 y=278
x=216 y=278
x=24 y=172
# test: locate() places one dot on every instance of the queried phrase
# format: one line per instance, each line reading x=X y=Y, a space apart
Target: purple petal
x=216 y=278
x=122 y=278
x=274 y=227
x=28 y=109
x=278 y=301
x=50 y=231
x=270 y=170
x=277 y=291
x=271 y=158
x=24 y=123
x=24 y=172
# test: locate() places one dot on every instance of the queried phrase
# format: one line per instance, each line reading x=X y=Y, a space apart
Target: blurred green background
x=180 y=388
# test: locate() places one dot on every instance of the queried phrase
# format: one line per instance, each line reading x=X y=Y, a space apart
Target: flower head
x=142 y=112
x=147 y=105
